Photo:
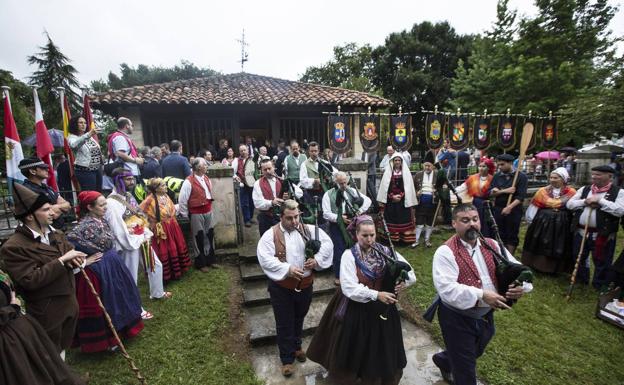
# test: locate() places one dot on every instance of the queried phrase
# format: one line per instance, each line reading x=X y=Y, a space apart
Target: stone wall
x=223 y=206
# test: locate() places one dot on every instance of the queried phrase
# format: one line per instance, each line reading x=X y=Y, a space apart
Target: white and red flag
x=44 y=144
x=13 y=146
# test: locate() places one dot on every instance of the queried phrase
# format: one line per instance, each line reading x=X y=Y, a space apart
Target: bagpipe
x=325 y=175
x=396 y=271
x=507 y=273
x=312 y=245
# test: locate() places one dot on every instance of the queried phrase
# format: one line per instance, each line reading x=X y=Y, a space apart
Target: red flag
x=44 y=144
x=88 y=115
x=66 y=118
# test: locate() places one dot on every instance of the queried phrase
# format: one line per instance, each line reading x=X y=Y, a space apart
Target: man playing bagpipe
x=467 y=281
x=425 y=183
x=315 y=175
x=340 y=205
x=508 y=214
x=269 y=195
x=288 y=253
x=597 y=212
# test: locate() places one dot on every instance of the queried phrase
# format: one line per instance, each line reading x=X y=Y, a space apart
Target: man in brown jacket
x=40 y=260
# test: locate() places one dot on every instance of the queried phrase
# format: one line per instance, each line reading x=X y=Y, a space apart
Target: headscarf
x=408 y=182
x=86 y=198
x=489 y=163
x=351 y=229
x=120 y=186
x=563 y=173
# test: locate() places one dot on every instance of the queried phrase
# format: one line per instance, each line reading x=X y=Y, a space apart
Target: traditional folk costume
x=27 y=355
x=315 y=169
x=425 y=185
x=196 y=202
x=399 y=215
x=476 y=189
x=352 y=342
x=603 y=227
x=277 y=250
x=132 y=236
x=246 y=201
x=337 y=203
x=292 y=167
x=460 y=274
x=112 y=281
x=508 y=225
x=168 y=240
x=548 y=240
x=31 y=260
x=264 y=191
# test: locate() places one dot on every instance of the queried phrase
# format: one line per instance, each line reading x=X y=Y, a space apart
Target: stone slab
x=255 y=292
x=261 y=321
x=251 y=272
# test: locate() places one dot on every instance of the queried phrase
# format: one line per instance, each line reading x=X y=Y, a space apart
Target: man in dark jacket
x=151 y=166
x=175 y=164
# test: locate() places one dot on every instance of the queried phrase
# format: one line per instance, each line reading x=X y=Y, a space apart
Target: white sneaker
x=415 y=244
x=614 y=308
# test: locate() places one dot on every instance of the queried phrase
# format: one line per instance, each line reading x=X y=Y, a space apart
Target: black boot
x=200 y=260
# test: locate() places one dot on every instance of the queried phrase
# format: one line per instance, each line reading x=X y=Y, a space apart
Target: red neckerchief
x=598 y=190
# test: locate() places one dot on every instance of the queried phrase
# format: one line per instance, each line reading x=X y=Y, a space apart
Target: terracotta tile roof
x=240 y=88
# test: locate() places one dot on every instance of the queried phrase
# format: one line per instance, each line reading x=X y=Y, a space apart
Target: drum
x=250 y=170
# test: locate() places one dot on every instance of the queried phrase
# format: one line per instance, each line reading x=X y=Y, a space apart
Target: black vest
x=605 y=223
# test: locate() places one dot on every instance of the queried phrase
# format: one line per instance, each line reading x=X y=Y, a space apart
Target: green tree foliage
x=559 y=60
x=144 y=74
x=54 y=70
x=351 y=68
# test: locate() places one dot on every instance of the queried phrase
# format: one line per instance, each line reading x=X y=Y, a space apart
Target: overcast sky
x=285 y=37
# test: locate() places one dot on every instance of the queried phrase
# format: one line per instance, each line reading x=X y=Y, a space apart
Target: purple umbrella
x=56 y=136
x=553 y=155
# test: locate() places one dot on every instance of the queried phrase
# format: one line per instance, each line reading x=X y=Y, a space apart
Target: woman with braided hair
x=168 y=240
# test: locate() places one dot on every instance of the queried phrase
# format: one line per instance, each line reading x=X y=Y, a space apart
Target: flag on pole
x=88 y=115
x=68 y=151
x=44 y=144
x=13 y=146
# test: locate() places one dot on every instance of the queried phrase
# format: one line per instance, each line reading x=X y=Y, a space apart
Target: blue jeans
x=339 y=246
x=246 y=201
x=89 y=180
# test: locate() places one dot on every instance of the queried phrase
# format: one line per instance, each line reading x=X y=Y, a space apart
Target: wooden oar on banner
x=527 y=133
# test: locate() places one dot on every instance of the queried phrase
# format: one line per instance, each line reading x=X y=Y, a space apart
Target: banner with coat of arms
x=434 y=126
x=458 y=131
x=482 y=132
x=549 y=132
x=339 y=132
x=507 y=131
x=370 y=131
x=400 y=132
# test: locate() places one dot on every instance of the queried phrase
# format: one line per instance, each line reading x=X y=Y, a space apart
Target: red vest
x=265 y=188
x=197 y=203
x=468 y=273
x=240 y=170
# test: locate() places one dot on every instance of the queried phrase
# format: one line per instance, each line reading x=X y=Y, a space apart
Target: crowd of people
x=310 y=217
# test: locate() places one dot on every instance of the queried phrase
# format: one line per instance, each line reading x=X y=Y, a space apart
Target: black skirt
x=548 y=242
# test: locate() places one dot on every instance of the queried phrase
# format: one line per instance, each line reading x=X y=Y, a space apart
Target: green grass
x=185 y=343
x=543 y=339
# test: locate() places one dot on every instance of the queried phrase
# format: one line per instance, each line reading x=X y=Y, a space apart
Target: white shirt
x=351 y=286
x=295 y=246
x=333 y=217
x=384 y=161
x=120 y=143
x=308 y=183
x=124 y=241
x=455 y=294
x=614 y=208
x=45 y=237
x=185 y=194
x=427 y=183
x=264 y=204
x=235 y=167
x=298 y=160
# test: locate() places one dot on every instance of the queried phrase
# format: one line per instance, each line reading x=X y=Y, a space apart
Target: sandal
x=146 y=315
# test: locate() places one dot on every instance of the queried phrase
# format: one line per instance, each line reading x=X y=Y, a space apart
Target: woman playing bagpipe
x=397 y=198
x=475 y=189
x=359 y=337
x=340 y=205
x=548 y=240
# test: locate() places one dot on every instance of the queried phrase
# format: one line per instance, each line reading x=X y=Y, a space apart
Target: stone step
x=255 y=293
x=251 y=272
x=261 y=321
x=247 y=253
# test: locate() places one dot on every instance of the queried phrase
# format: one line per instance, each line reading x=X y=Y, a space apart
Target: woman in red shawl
x=548 y=241
x=475 y=190
x=168 y=240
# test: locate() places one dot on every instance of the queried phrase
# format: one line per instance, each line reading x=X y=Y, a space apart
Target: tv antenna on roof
x=244 y=53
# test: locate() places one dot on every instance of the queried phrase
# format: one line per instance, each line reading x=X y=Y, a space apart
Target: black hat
x=32 y=162
x=604 y=168
x=429 y=158
x=505 y=157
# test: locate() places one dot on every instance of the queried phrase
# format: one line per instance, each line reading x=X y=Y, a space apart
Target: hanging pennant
x=434 y=126
x=370 y=130
x=507 y=131
x=339 y=132
x=400 y=132
x=550 y=132
x=481 y=134
x=458 y=131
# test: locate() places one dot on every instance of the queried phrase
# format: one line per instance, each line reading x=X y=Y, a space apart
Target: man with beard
x=315 y=176
x=293 y=162
x=465 y=279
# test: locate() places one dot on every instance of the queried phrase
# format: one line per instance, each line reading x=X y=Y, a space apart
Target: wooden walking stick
x=122 y=348
x=437 y=210
x=527 y=133
x=578 y=257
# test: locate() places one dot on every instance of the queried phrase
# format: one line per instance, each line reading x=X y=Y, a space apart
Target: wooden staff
x=122 y=348
x=578 y=257
x=437 y=210
x=527 y=133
